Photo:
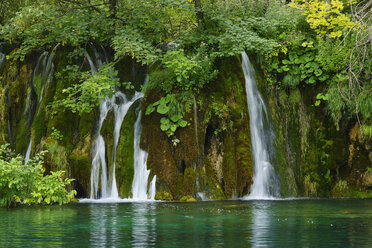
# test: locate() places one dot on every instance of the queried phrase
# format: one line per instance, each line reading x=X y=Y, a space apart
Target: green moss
x=18 y=94
x=188 y=182
x=188 y=198
x=4 y=118
x=295 y=96
x=56 y=158
x=80 y=169
x=357 y=193
x=212 y=188
x=86 y=124
x=163 y=196
x=108 y=136
x=39 y=125
x=237 y=158
x=22 y=136
x=124 y=153
x=63 y=119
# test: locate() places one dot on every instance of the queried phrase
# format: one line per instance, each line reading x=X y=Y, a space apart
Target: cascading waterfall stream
x=99 y=174
x=2 y=59
x=264 y=178
x=99 y=151
x=43 y=75
x=141 y=174
x=28 y=152
x=10 y=124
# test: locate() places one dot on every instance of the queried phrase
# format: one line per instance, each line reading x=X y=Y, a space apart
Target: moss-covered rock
x=214 y=155
x=313 y=157
x=124 y=153
x=163 y=196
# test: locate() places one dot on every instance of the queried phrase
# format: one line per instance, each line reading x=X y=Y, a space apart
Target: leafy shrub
x=172 y=110
x=83 y=97
x=26 y=183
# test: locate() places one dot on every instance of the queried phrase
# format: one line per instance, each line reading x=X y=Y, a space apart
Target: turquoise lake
x=278 y=223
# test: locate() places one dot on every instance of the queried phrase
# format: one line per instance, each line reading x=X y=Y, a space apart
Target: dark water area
x=279 y=223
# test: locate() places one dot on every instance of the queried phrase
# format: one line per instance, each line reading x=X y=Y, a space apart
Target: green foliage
x=325 y=17
x=172 y=111
x=320 y=97
x=26 y=183
x=298 y=65
x=83 y=97
x=56 y=134
x=331 y=57
x=129 y=42
x=42 y=24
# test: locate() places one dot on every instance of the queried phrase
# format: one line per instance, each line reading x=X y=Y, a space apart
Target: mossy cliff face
x=32 y=117
x=312 y=157
x=214 y=156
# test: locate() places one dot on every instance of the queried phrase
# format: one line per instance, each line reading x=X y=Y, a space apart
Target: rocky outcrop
x=218 y=161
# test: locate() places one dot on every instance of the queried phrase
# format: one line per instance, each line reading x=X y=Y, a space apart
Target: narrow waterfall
x=196 y=124
x=120 y=106
x=10 y=122
x=28 y=152
x=141 y=174
x=42 y=76
x=2 y=59
x=264 y=178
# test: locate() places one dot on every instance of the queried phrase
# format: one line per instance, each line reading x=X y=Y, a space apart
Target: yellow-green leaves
x=325 y=18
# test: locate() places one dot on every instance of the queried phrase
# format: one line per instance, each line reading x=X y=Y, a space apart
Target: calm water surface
x=285 y=223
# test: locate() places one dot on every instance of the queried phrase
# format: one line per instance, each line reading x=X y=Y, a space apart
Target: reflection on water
x=296 y=223
x=260 y=223
x=144 y=225
x=103 y=225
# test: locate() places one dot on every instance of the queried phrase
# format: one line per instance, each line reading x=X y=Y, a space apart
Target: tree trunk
x=199 y=12
x=113 y=4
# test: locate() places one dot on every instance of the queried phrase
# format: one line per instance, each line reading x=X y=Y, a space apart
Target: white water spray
x=100 y=183
x=141 y=174
x=2 y=59
x=28 y=152
x=120 y=105
x=264 y=180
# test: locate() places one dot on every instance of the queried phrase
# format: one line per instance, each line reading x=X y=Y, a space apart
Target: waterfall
x=2 y=59
x=10 y=128
x=120 y=106
x=42 y=76
x=264 y=178
x=28 y=152
x=100 y=183
x=196 y=127
x=141 y=189
x=141 y=174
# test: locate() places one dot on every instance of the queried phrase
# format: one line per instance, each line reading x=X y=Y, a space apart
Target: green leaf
x=162 y=109
x=182 y=123
x=164 y=127
x=175 y=118
x=164 y=121
x=173 y=128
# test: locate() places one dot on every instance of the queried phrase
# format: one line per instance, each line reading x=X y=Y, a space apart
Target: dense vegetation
x=325 y=45
x=24 y=181
x=303 y=42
